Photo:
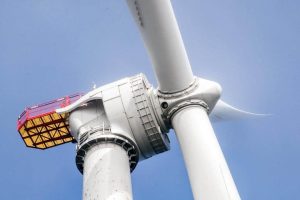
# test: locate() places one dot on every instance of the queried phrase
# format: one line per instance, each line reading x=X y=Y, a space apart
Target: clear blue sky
x=51 y=48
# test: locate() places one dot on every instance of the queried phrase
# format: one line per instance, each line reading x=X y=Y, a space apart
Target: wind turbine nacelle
x=123 y=109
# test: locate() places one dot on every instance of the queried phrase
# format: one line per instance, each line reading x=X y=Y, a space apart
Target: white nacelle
x=124 y=107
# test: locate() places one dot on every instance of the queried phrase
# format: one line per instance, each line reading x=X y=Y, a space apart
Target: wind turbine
x=117 y=125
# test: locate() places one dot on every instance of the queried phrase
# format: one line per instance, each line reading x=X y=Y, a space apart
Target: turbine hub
x=201 y=92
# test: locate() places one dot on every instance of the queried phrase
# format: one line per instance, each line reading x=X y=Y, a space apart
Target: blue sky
x=52 y=48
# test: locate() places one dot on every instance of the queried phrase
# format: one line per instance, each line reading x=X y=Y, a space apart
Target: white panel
x=127 y=99
x=117 y=117
x=135 y=121
x=110 y=93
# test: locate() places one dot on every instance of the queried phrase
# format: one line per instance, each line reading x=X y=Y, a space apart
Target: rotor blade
x=207 y=169
x=160 y=32
x=225 y=112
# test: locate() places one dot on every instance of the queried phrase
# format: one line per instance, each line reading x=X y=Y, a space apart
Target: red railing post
x=27 y=113
x=67 y=100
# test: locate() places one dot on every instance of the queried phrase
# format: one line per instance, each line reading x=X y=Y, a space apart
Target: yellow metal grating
x=46 y=131
x=41 y=127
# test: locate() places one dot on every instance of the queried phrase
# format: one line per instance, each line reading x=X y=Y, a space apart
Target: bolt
x=164 y=105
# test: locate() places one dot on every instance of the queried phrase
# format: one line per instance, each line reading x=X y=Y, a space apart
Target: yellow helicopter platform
x=41 y=127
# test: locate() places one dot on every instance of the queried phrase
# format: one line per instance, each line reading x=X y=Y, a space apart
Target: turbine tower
x=122 y=123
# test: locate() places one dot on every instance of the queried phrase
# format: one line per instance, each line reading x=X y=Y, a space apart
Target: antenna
x=122 y=123
x=94 y=85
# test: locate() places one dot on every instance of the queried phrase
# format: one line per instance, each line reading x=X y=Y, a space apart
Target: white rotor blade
x=162 y=39
x=225 y=112
x=207 y=169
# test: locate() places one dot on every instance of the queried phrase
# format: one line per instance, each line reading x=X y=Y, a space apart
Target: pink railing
x=46 y=108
